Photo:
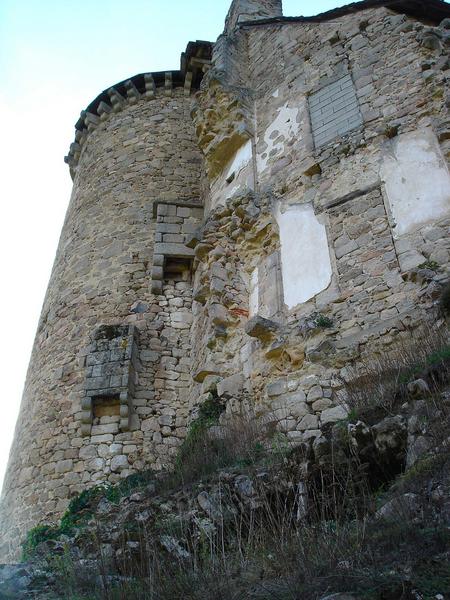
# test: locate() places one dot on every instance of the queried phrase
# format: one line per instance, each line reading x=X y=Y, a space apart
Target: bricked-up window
x=334 y=110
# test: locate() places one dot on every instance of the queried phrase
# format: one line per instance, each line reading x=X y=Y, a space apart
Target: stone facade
x=242 y=228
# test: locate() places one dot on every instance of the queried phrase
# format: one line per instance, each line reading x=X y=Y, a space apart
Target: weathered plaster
x=305 y=256
x=236 y=177
x=254 y=293
x=416 y=180
x=240 y=160
x=280 y=132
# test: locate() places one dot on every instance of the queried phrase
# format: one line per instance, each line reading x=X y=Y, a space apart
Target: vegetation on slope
x=360 y=511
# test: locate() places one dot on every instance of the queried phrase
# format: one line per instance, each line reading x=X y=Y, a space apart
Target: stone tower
x=134 y=157
x=241 y=229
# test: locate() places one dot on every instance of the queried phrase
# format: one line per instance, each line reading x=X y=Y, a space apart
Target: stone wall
x=354 y=224
x=142 y=154
x=309 y=250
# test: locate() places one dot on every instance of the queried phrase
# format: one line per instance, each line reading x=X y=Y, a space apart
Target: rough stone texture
x=144 y=153
x=205 y=289
x=110 y=378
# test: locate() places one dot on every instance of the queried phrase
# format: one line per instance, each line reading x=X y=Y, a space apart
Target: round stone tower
x=95 y=397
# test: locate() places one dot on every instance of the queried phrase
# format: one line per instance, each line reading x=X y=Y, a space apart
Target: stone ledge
x=262 y=329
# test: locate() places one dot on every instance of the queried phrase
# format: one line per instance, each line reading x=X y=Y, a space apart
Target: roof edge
x=433 y=11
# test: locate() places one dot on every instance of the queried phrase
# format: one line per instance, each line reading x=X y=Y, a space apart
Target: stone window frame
x=125 y=392
x=319 y=300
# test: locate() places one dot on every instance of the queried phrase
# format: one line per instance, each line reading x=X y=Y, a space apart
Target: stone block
x=87 y=452
x=176 y=238
x=188 y=228
x=157 y=287
x=321 y=404
x=183 y=211
x=333 y=415
x=97 y=383
x=157 y=273
x=410 y=260
x=291 y=404
x=119 y=463
x=181 y=317
x=231 y=386
x=261 y=328
x=64 y=466
x=295 y=436
x=96 y=464
x=285 y=425
x=341 y=251
x=165 y=210
x=108 y=428
x=195 y=239
x=149 y=355
x=315 y=393
x=308 y=422
x=218 y=314
x=172 y=249
x=102 y=439
x=168 y=228
x=276 y=388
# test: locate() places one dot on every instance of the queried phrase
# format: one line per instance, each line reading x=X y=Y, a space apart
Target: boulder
x=405 y=507
x=390 y=437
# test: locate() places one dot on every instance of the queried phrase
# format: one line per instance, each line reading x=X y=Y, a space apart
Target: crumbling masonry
x=244 y=226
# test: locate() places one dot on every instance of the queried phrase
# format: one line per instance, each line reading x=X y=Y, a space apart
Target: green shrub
x=391 y=131
x=323 y=321
x=430 y=264
x=200 y=454
x=36 y=536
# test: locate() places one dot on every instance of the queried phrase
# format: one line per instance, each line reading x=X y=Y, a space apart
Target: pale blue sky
x=55 y=57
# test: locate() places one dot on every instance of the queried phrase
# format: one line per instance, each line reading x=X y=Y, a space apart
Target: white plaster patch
x=236 y=177
x=241 y=159
x=254 y=293
x=283 y=129
x=417 y=181
x=305 y=256
x=231 y=192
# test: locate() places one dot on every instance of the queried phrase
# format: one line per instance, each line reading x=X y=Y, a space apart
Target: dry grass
x=376 y=387
x=296 y=536
x=240 y=441
x=268 y=552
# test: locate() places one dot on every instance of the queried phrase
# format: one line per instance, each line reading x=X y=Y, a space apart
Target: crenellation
x=133 y=94
x=117 y=101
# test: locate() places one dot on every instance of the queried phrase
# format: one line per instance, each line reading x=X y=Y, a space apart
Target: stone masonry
x=244 y=229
